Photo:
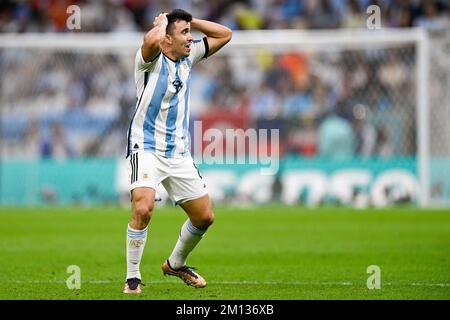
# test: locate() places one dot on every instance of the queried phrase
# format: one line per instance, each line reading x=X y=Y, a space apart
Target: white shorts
x=179 y=176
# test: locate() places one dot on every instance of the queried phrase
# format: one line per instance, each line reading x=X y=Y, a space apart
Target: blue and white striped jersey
x=161 y=120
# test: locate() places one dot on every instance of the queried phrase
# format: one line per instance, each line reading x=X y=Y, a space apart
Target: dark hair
x=177 y=14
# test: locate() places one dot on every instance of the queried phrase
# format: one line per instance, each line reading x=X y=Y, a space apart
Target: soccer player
x=158 y=139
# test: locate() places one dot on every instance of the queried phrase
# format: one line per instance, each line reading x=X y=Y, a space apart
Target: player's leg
x=142 y=202
x=188 y=189
x=141 y=208
x=200 y=217
x=142 y=166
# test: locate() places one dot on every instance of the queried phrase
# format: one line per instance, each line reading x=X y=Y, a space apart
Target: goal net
x=356 y=118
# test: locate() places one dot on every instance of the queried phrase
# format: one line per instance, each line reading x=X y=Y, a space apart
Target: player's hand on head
x=161 y=18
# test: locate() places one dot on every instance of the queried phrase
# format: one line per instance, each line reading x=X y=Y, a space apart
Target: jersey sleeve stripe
x=205 y=41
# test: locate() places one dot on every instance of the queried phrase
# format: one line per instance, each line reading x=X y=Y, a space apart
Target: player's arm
x=217 y=35
x=152 y=40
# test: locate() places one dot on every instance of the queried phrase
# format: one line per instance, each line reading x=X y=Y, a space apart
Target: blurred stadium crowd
x=328 y=104
x=138 y=15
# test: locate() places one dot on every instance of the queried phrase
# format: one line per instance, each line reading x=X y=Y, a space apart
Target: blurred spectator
x=433 y=16
x=383 y=148
x=265 y=103
x=56 y=144
x=321 y=14
x=303 y=137
x=393 y=73
x=297 y=102
x=206 y=85
x=354 y=16
x=248 y=19
x=29 y=147
x=400 y=14
x=365 y=132
x=296 y=65
x=320 y=103
x=336 y=138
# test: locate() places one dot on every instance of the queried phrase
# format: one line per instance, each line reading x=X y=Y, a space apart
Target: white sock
x=188 y=239
x=135 y=247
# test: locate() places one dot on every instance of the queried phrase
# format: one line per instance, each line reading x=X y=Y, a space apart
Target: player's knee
x=207 y=219
x=142 y=212
x=143 y=209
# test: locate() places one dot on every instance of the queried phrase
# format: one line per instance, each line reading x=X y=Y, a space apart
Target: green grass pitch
x=272 y=252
